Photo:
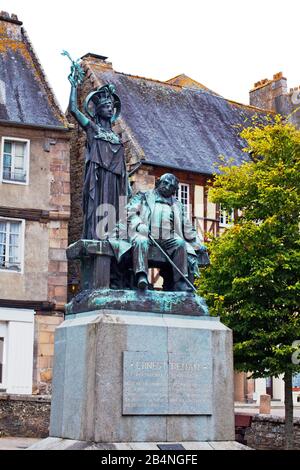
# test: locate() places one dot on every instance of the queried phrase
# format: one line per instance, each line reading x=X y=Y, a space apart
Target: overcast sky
x=226 y=45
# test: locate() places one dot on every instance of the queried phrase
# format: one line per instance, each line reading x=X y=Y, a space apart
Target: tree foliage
x=253 y=281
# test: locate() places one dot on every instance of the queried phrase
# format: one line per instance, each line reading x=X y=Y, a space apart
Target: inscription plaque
x=166 y=384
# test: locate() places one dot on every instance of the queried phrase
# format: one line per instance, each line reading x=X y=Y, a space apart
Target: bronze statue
x=105 y=181
x=157 y=217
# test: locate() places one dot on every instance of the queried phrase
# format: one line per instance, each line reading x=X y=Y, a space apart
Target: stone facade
x=45 y=326
x=273 y=95
x=41 y=203
x=268 y=433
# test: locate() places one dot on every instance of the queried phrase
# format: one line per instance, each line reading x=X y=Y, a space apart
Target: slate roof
x=25 y=95
x=178 y=126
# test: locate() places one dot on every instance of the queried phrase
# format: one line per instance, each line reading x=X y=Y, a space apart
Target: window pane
x=7 y=147
x=6 y=160
x=15 y=227
x=19 y=149
x=2 y=243
x=14 y=240
x=19 y=163
x=14 y=243
x=2 y=227
x=2 y=255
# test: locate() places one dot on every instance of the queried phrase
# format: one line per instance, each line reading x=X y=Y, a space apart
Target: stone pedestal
x=123 y=376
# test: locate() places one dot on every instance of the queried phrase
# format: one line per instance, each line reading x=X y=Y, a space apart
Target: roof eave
x=33 y=126
x=165 y=165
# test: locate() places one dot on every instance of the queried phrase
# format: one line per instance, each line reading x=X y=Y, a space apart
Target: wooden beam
x=37 y=215
x=30 y=304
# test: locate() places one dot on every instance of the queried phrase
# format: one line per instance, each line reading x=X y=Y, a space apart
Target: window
x=296 y=381
x=226 y=217
x=183 y=195
x=11 y=240
x=15 y=160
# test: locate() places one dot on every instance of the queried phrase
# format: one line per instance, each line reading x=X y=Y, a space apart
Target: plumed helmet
x=101 y=96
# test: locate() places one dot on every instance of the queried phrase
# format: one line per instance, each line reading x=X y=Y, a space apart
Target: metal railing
x=17 y=175
x=206 y=226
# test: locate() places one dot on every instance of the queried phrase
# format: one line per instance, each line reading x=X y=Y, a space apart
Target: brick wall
x=267 y=432
x=45 y=326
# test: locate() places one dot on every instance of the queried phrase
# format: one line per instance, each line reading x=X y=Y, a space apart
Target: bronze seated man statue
x=156 y=217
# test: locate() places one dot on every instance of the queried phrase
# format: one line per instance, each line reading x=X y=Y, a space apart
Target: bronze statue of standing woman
x=105 y=182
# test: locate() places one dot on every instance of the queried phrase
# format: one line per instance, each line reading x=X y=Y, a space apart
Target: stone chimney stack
x=266 y=93
x=4 y=16
x=97 y=61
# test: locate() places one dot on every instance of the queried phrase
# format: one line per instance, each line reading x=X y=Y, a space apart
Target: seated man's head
x=167 y=185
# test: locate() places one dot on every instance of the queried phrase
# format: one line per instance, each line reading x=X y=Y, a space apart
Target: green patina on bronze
x=105 y=178
x=176 y=303
x=152 y=232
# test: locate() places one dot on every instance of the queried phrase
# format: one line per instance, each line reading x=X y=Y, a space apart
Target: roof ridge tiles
x=199 y=90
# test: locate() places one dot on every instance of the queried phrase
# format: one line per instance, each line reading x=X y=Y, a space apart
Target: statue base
x=124 y=376
x=177 y=303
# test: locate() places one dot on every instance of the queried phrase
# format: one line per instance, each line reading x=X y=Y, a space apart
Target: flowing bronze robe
x=105 y=179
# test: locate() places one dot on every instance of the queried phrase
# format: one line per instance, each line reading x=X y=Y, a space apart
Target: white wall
x=278 y=388
x=260 y=389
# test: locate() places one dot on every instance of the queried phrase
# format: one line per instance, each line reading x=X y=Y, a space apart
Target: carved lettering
x=165 y=384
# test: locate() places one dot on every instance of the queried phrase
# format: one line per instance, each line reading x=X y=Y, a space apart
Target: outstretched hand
x=77 y=73
x=73 y=77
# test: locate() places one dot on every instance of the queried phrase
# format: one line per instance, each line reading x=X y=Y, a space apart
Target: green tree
x=253 y=281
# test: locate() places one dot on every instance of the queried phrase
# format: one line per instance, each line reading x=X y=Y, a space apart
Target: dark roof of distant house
x=185 y=81
x=25 y=95
x=183 y=127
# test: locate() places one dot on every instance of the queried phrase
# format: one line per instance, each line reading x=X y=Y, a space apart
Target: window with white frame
x=183 y=195
x=226 y=218
x=15 y=160
x=11 y=242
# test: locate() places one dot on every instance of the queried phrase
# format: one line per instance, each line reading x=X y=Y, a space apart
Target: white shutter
x=20 y=357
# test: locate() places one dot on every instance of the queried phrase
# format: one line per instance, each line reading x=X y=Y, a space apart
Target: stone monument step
x=55 y=443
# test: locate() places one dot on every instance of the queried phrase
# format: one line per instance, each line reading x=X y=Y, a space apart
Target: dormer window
x=14 y=160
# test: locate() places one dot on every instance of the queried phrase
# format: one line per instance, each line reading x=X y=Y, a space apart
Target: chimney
x=96 y=60
x=4 y=16
x=265 y=93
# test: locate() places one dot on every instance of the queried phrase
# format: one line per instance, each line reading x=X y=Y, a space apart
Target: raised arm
x=78 y=115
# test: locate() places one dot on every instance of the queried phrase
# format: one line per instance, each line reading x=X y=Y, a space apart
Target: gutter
x=36 y=126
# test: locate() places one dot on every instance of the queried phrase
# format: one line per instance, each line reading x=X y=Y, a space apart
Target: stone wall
x=25 y=416
x=267 y=433
x=273 y=95
x=45 y=326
